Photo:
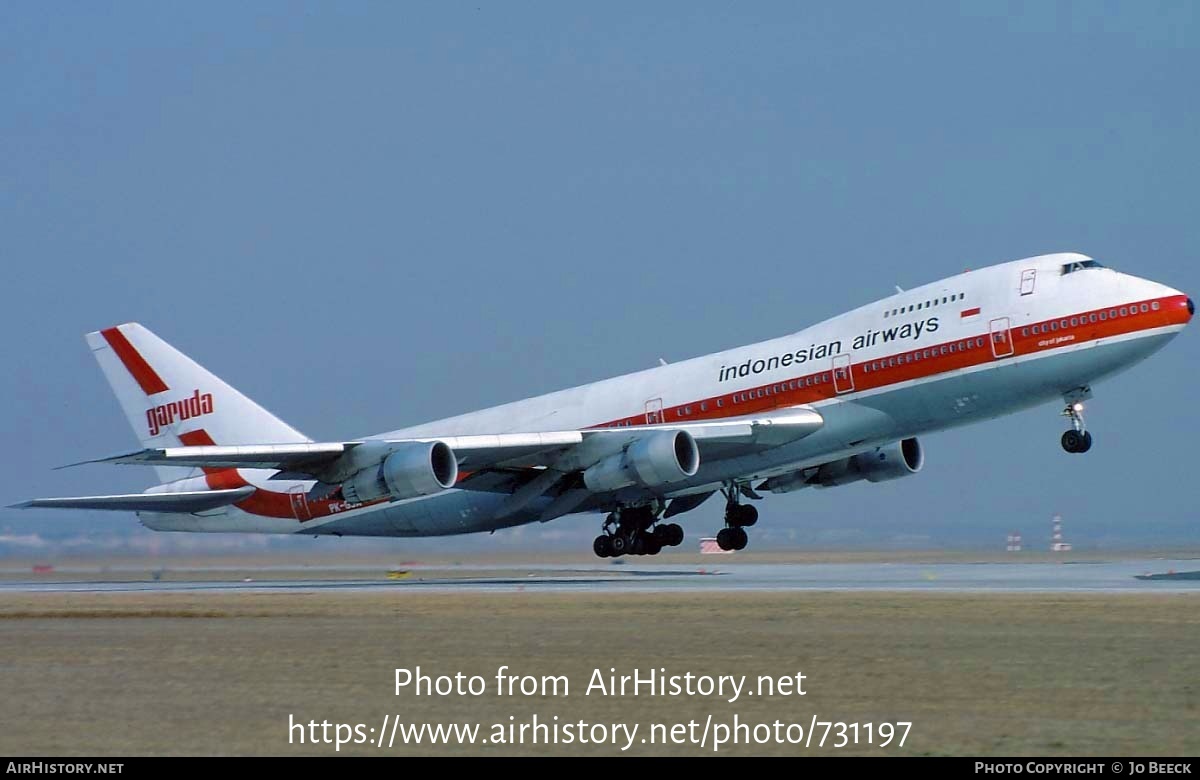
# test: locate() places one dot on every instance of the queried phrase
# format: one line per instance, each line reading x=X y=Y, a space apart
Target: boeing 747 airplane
x=840 y=401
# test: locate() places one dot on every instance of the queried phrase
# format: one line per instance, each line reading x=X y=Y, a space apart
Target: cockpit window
x=1080 y=265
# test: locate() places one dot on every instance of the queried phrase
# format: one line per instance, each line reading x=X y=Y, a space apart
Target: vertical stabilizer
x=171 y=400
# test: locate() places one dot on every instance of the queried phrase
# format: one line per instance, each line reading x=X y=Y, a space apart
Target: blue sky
x=373 y=214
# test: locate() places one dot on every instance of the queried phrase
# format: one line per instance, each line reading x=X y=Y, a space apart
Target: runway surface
x=1118 y=576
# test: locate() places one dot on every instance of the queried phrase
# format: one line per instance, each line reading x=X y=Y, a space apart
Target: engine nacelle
x=416 y=469
x=659 y=458
x=898 y=459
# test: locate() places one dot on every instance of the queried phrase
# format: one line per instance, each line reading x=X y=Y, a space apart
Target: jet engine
x=659 y=458
x=892 y=461
x=415 y=469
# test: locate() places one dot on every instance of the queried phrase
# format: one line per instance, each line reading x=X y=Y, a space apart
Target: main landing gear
x=1078 y=439
x=738 y=517
x=635 y=530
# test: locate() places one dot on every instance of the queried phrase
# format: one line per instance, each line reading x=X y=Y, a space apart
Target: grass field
x=219 y=673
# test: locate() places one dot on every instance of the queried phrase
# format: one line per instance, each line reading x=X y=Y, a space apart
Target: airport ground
x=220 y=671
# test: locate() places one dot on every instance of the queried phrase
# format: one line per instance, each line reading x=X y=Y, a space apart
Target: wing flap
x=194 y=501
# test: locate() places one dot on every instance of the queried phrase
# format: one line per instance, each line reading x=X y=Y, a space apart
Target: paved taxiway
x=1119 y=576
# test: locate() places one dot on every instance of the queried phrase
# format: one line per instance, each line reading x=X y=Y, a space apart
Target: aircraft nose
x=1191 y=307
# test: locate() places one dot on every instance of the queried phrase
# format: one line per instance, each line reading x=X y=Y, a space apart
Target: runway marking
x=1126 y=576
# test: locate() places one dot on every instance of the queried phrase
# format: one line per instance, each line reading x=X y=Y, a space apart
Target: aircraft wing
x=194 y=501
x=563 y=451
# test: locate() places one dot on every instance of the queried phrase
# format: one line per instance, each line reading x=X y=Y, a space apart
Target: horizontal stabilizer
x=196 y=501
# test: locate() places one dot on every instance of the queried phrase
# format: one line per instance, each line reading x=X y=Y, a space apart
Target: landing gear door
x=1001 y=337
x=843 y=374
x=654 y=412
x=1028 y=280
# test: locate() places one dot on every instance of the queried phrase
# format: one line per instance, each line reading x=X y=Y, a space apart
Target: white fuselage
x=966 y=348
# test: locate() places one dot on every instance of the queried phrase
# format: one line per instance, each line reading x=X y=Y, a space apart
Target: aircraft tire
x=618 y=545
x=602 y=546
x=746 y=515
x=1073 y=441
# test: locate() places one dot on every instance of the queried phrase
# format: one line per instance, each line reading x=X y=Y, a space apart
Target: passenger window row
x=1093 y=318
x=782 y=387
x=923 y=354
x=921 y=305
x=749 y=395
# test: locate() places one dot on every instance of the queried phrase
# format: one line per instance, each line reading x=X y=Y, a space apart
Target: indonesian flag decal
x=972 y=312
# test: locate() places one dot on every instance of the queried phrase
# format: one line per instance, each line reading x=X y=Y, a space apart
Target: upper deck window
x=1081 y=265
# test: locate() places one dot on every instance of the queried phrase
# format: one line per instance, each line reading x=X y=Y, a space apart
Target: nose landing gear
x=1078 y=439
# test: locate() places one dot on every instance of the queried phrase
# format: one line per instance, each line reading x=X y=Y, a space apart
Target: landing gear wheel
x=652 y=545
x=1074 y=441
x=668 y=535
x=732 y=539
x=674 y=533
x=743 y=515
x=602 y=546
x=618 y=545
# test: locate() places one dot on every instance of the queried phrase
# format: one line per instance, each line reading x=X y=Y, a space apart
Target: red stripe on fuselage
x=146 y=377
x=936 y=359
